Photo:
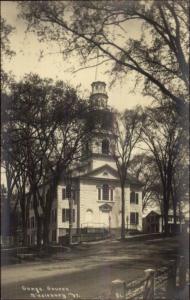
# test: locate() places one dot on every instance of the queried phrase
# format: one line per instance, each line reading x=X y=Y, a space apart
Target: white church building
x=96 y=196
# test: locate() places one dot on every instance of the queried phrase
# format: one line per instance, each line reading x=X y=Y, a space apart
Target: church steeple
x=99 y=97
x=98 y=151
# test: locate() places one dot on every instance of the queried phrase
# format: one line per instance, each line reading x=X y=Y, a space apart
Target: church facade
x=95 y=198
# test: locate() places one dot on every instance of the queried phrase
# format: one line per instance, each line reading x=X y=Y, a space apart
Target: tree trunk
x=24 y=216
x=166 y=227
x=37 y=216
x=122 y=211
x=46 y=231
x=174 y=203
x=165 y=212
x=50 y=196
x=39 y=232
x=24 y=230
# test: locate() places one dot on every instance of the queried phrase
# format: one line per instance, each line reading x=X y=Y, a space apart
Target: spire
x=96 y=70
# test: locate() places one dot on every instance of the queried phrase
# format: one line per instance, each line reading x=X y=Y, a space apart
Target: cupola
x=99 y=96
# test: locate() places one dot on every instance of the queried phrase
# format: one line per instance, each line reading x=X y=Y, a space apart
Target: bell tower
x=102 y=142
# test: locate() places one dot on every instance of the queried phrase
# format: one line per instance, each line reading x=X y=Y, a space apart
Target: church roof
x=130 y=180
x=102 y=168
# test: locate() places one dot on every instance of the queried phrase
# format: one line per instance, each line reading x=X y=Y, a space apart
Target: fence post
x=148 y=293
x=182 y=272
x=171 y=281
x=118 y=289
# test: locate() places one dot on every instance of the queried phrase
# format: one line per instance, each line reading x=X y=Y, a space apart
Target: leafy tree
x=48 y=131
x=127 y=132
x=158 y=54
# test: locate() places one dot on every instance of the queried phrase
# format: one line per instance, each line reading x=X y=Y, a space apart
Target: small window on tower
x=105 y=147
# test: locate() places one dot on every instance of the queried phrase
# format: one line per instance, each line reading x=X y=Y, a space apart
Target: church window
x=105 y=147
x=66 y=192
x=134 y=197
x=66 y=215
x=134 y=218
x=105 y=191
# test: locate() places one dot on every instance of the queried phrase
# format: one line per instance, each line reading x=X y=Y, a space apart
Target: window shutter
x=137 y=198
x=99 y=193
x=73 y=216
x=63 y=194
x=111 y=195
x=63 y=215
x=137 y=218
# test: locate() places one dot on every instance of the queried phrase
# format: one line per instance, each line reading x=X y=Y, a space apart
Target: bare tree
x=6 y=54
x=163 y=137
x=180 y=187
x=158 y=54
x=127 y=132
x=143 y=168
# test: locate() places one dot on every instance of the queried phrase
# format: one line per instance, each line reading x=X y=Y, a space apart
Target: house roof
x=152 y=212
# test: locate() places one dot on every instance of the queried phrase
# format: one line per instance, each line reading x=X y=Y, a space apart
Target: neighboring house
x=153 y=223
x=96 y=193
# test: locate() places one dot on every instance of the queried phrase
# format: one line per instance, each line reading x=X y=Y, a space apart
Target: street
x=87 y=270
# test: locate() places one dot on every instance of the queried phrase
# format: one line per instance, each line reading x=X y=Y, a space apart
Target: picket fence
x=167 y=282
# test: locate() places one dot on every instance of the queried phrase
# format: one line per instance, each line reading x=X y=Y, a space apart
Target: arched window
x=105 y=192
x=105 y=147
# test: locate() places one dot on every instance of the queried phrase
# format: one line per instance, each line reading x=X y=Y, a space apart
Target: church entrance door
x=104 y=219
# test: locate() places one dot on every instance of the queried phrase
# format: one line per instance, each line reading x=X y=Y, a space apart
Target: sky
x=26 y=60
x=52 y=65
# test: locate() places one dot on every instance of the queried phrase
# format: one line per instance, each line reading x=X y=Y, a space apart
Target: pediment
x=105 y=172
